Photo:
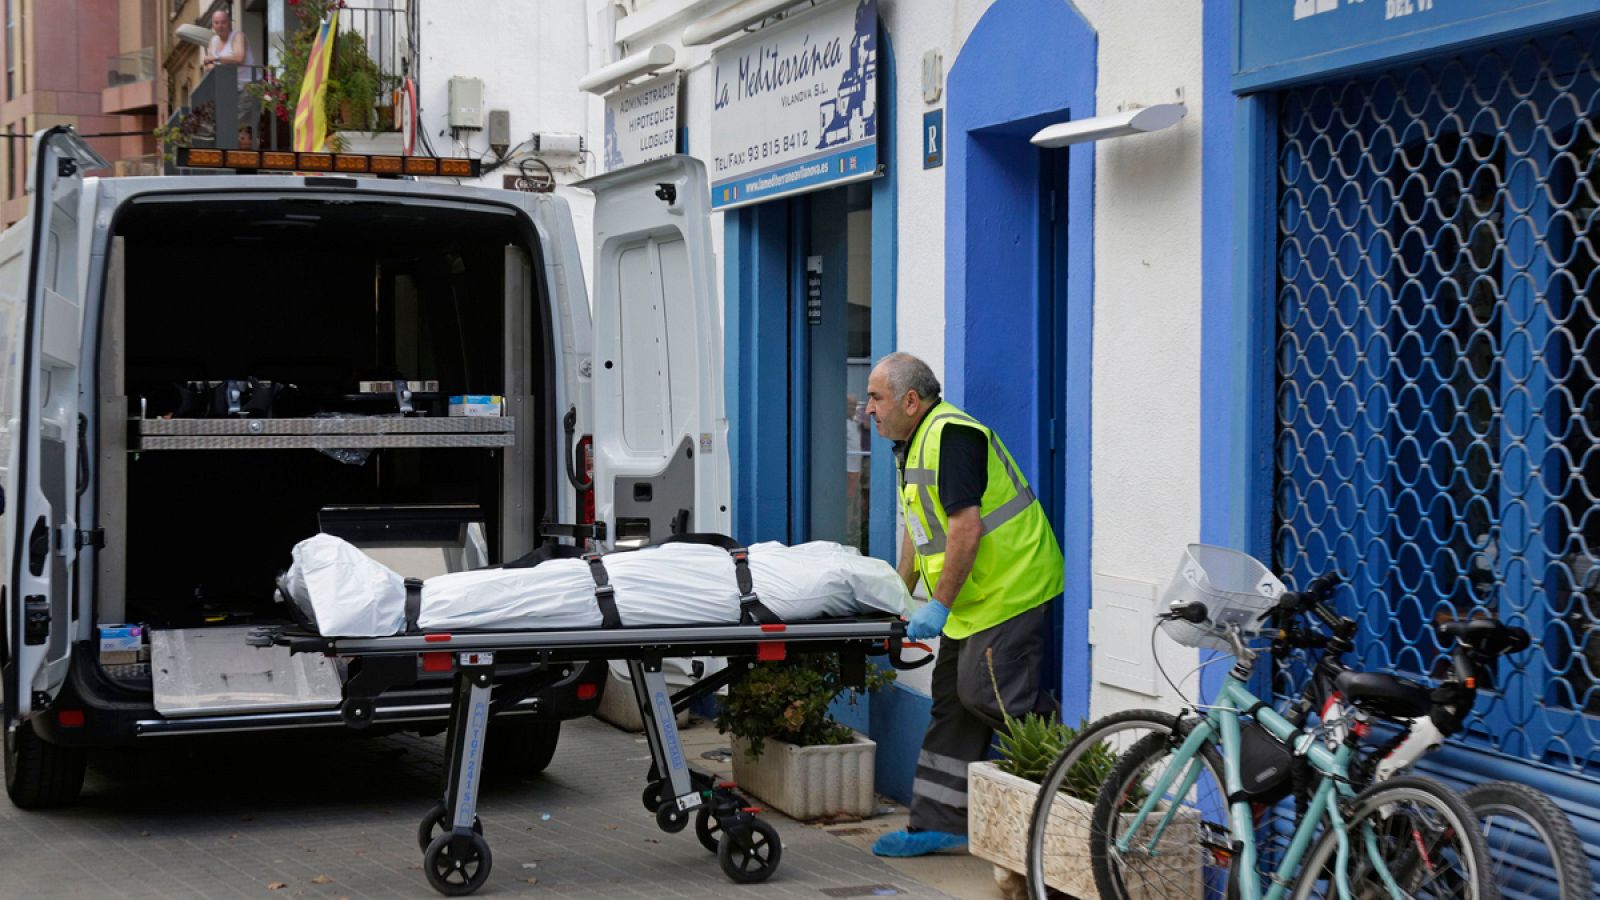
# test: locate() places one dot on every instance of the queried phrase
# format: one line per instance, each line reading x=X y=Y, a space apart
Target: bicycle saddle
x=1384 y=694
x=1487 y=635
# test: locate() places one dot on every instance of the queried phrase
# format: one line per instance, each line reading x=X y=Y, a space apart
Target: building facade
x=85 y=63
x=1338 y=317
x=1026 y=277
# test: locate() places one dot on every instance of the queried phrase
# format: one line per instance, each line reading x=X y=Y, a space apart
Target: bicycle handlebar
x=1478 y=643
x=1487 y=635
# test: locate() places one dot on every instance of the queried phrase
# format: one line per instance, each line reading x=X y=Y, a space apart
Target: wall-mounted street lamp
x=626 y=69
x=1141 y=120
x=194 y=34
x=734 y=19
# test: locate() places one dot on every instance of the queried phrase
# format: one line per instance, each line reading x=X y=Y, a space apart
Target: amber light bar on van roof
x=349 y=163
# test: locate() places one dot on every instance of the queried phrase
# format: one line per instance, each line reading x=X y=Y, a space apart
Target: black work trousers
x=966 y=711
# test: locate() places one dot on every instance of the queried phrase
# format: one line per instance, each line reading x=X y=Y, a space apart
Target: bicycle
x=1528 y=834
x=1065 y=801
x=1408 y=836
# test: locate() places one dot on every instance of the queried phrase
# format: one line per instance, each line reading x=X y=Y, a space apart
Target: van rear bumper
x=112 y=715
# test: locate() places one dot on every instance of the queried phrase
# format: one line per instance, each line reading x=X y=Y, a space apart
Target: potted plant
x=1001 y=796
x=353 y=82
x=351 y=97
x=184 y=129
x=788 y=751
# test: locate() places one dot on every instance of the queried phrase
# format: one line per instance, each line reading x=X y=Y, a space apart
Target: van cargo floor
x=205 y=671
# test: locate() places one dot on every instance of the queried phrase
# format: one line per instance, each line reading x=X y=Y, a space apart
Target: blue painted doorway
x=1054 y=325
x=1019 y=285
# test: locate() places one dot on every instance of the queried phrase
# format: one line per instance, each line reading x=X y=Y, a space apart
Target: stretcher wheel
x=707 y=829
x=357 y=711
x=652 y=796
x=457 y=877
x=750 y=854
x=434 y=822
x=670 y=818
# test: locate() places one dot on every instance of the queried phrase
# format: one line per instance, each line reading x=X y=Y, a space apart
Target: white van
x=202 y=370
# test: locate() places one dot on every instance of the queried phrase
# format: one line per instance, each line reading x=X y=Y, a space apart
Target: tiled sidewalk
x=332 y=815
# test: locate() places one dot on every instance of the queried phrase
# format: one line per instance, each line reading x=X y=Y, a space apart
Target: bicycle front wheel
x=1533 y=850
x=1409 y=837
x=1065 y=804
x=1182 y=848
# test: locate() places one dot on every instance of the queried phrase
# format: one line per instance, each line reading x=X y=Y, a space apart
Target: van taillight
x=586 y=497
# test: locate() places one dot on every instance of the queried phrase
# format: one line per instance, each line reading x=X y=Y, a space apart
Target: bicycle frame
x=1221 y=725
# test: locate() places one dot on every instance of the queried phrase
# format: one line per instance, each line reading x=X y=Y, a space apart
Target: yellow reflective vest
x=1018 y=565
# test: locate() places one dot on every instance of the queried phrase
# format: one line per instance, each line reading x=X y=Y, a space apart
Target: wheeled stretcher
x=456 y=858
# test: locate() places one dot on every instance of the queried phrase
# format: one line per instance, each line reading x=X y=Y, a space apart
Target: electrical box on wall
x=932 y=76
x=558 y=143
x=466 y=102
x=1120 y=618
x=499 y=129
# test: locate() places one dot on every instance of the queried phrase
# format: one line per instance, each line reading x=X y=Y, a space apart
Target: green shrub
x=354 y=79
x=788 y=701
x=1029 y=746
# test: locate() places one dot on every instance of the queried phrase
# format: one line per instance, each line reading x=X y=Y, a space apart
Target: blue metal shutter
x=1437 y=430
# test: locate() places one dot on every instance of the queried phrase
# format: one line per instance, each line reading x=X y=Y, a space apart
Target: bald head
x=905 y=372
x=901 y=389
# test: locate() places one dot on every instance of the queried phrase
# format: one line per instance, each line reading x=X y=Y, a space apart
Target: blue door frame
x=1005 y=85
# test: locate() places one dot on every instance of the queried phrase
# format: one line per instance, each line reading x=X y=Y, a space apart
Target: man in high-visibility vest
x=979 y=539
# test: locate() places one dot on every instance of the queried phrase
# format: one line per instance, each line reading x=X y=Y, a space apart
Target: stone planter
x=809 y=782
x=1001 y=807
x=618 y=707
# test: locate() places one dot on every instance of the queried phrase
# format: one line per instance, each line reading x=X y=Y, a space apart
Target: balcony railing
x=386 y=38
x=218 y=99
x=129 y=68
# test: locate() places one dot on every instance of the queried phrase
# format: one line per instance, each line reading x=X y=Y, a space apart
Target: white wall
x=1146 y=395
x=1146 y=388
x=915 y=27
x=530 y=56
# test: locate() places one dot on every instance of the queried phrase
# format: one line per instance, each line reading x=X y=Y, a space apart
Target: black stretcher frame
x=457 y=859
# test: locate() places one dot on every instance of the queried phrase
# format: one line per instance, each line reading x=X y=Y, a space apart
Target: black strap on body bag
x=605 y=596
x=751 y=610
x=413 y=603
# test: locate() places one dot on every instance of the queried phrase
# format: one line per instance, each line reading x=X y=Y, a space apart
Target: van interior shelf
x=322 y=432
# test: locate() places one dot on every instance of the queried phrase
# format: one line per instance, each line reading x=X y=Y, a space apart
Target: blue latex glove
x=928 y=621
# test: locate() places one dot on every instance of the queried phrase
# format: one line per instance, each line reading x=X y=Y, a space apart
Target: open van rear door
x=660 y=436
x=41 y=327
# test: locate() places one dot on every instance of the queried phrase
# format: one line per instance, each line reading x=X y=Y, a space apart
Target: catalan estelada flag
x=310 y=114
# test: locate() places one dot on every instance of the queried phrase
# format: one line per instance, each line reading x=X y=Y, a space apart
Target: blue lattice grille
x=1438 y=369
